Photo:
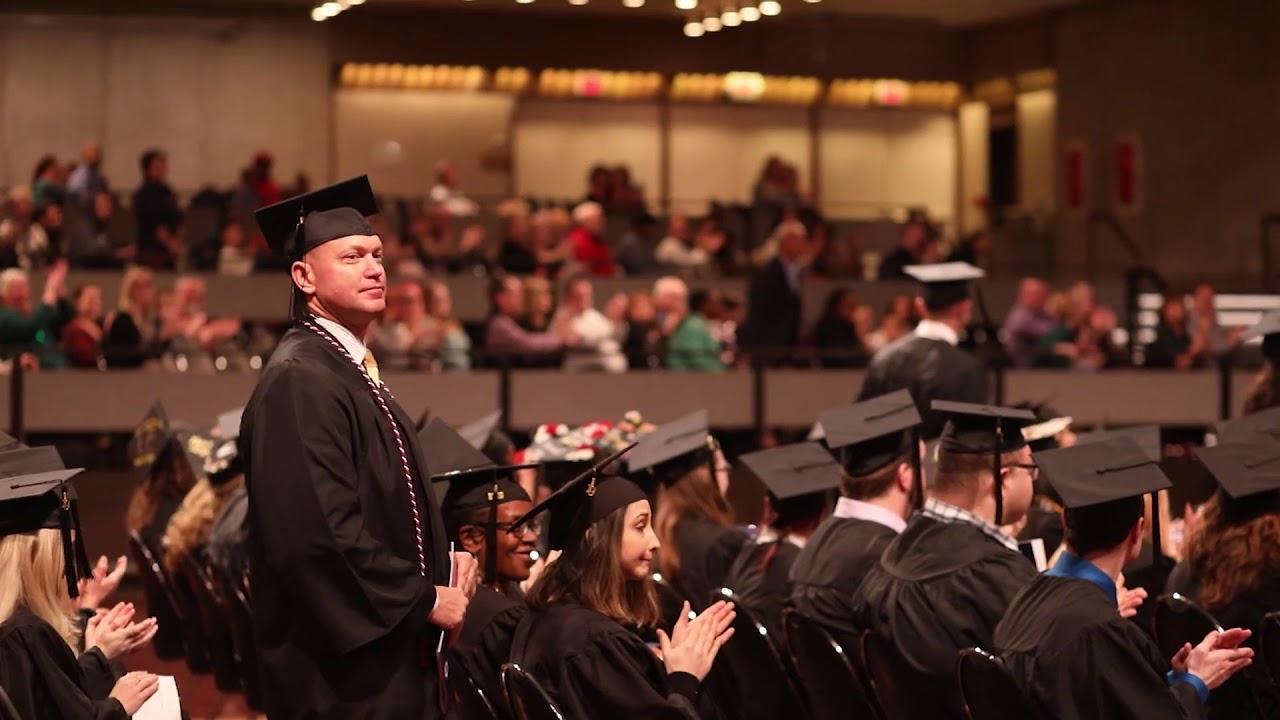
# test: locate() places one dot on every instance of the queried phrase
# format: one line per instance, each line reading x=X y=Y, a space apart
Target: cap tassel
x=1157 y=552
x=998 y=481
x=491 y=541
x=68 y=547
x=917 y=472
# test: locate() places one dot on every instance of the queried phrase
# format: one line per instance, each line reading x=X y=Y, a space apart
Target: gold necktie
x=371 y=367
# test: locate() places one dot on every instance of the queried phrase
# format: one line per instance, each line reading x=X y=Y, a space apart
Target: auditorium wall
x=211 y=92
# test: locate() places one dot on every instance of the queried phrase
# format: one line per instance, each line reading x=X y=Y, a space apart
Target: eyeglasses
x=1032 y=469
x=532 y=526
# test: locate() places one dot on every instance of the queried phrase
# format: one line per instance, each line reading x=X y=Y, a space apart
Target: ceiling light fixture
x=769 y=8
x=356 y=2
x=319 y=15
x=686 y=4
x=632 y=3
x=730 y=17
x=693 y=29
x=750 y=13
x=578 y=2
x=332 y=8
x=711 y=23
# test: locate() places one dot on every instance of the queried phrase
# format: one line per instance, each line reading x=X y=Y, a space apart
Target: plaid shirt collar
x=948 y=513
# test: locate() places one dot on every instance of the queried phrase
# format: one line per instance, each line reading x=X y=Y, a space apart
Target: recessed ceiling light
x=711 y=23
x=730 y=18
x=770 y=7
x=686 y=4
x=693 y=28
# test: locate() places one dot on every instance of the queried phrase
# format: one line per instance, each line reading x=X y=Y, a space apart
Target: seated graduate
x=1231 y=565
x=682 y=466
x=1044 y=518
x=187 y=534
x=798 y=479
x=41 y=561
x=879 y=488
x=480 y=504
x=581 y=641
x=943 y=584
x=1063 y=641
x=159 y=449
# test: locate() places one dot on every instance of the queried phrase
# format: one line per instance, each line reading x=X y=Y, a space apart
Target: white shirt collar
x=851 y=509
x=768 y=535
x=934 y=330
x=347 y=339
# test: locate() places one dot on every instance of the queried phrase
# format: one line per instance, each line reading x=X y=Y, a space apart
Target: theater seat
x=1270 y=645
x=832 y=681
x=7 y=710
x=526 y=697
x=1177 y=621
x=468 y=700
x=988 y=691
x=896 y=686
x=168 y=642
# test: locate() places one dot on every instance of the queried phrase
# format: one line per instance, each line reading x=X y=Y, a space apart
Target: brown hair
x=1265 y=392
x=1231 y=556
x=866 y=487
x=590 y=573
x=960 y=472
x=694 y=495
x=171 y=477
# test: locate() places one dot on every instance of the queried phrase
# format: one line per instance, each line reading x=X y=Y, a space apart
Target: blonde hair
x=31 y=576
x=190 y=525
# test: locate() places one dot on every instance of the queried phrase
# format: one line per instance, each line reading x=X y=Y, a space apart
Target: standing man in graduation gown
x=878 y=491
x=347 y=551
x=1063 y=641
x=480 y=504
x=927 y=361
x=943 y=584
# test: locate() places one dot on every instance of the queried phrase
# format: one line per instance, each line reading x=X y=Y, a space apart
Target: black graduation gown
x=939 y=588
x=1077 y=659
x=593 y=667
x=46 y=681
x=831 y=567
x=1152 y=577
x=707 y=551
x=485 y=641
x=764 y=590
x=931 y=370
x=340 y=605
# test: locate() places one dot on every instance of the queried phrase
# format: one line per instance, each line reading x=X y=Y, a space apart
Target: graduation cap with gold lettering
x=300 y=224
x=150 y=436
x=944 y=284
x=1108 y=469
x=798 y=477
x=35 y=495
x=868 y=436
x=973 y=429
x=583 y=501
x=673 y=450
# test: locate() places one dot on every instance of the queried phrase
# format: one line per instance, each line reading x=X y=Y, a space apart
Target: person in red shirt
x=587 y=240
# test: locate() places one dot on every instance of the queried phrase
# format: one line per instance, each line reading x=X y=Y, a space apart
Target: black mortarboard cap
x=474 y=481
x=982 y=429
x=585 y=500
x=556 y=473
x=32 y=499
x=1113 y=468
x=478 y=433
x=1244 y=468
x=790 y=471
x=870 y=435
x=300 y=224
x=1263 y=422
x=1044 y=435
x=8 y=442
x=944 y=284
x=1147 y=438
x=673 y=449
x=150 y=436
x=223 y=463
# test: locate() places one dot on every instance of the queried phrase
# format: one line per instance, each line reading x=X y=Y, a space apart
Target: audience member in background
x=132 y=331
x=642 y=343
x=636 y=252
x=406 y=337
x=264 y=186
x=234 y=255
x=39 y=640
x=776 y=190
x=82 y=337
x=47 y=182
x=89 y=243
x=548 y=240
x=724 y=327
x=835 y=335
x=446 y=194
x=43 y=242
x=430 y=234
x=974 y=249
x=841 y=257
x=1231 y=564
x=627 y=199
x=597 y=348
x=900 y=318
x=154 y=501
x=188 y=530
x=773 y=303
x=587 y=240
x=503 y=333
x=34 y=329
x=1027 y=322
x=1173 y=346
x=156 y=214
x=454 y=346
x=678 y=250
x=14 y=221
x=516 y=256
x=86 y=181
x=539 y=302
x=690 y=345
x=1216 y=339
x=1081 y=339
x=911 y=250
x=187 y=324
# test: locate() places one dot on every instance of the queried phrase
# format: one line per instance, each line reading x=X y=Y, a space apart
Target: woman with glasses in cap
x=581 y=640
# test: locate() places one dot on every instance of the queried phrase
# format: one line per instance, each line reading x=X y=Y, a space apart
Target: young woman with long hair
x=582 y=639
x=154 y=501
x=39 y=669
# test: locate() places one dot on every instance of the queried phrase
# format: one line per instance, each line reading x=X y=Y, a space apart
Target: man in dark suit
x=773 y=305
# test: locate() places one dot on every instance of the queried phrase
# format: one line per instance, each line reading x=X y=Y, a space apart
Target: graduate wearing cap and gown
x=347 y=549
x=879 y=488
x=677 y=463
x=590 y=658
x=798 y=480
x=1061 y=639
x=171 y=458
x=480 y=503
x=1044 y=519
x=928 y=362
x=1231 y=564
x=39 y=669
x=943 y=584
